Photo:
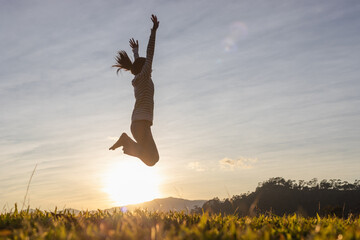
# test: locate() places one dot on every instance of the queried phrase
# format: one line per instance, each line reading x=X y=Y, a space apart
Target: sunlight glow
x=129 y=181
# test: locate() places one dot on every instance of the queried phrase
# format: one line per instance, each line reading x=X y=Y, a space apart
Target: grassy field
x=173 y=225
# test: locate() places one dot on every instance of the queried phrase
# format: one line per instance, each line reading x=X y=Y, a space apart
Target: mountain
x=163 y=204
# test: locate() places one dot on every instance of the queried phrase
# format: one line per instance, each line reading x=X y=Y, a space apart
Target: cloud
x=242 y=162
x=196 y=166
x=112 y=138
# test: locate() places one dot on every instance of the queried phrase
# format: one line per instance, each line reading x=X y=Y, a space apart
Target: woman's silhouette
x=142 y=117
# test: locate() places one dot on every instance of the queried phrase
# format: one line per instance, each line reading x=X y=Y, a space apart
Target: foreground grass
x=173 y=225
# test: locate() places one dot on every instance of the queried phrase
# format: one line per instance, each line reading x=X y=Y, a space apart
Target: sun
x=129 y=181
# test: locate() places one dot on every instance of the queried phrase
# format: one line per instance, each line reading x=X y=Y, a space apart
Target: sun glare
x=129 y=181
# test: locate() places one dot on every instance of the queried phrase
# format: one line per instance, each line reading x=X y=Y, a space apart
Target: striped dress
x=144 y=86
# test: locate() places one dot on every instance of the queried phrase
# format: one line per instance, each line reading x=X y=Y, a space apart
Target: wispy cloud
x=196 y=166
x=242 y=163
x=112 y=138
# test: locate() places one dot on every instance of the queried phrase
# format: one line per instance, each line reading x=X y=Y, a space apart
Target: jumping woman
x=142 y=117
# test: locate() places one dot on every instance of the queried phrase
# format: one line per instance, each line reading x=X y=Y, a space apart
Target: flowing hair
x=123 y=62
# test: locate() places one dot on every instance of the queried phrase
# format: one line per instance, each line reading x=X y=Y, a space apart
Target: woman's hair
x=124 y=63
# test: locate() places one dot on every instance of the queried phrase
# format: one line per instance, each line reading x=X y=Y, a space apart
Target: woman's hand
x=133 y=43
x=155 y=22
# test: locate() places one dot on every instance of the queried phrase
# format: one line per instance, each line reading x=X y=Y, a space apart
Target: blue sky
x=244 y=91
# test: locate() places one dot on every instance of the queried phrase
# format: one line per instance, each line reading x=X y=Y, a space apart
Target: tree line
x=280 y=196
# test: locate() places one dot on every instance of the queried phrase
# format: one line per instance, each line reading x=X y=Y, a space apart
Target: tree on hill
x=280 y=196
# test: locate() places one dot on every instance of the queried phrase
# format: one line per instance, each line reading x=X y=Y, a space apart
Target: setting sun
x=129 y=181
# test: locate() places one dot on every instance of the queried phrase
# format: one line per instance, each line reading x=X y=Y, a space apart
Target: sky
x=244 y=91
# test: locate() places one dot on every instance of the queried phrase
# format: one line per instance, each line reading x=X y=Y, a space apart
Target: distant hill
x=159 y=204
x=163 y=204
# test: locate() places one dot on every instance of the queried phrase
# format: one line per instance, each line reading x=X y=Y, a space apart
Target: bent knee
x=151 y=161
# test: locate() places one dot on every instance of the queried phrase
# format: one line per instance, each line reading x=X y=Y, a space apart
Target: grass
x=174 y=225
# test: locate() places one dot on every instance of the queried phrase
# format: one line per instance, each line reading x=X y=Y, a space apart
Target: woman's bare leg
x=147 y=150
x=144 y=148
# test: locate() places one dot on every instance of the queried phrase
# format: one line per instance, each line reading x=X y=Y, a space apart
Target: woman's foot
x=119 y=142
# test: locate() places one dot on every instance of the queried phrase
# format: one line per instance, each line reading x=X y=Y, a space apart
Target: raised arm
x=135 y=47
x=151 y=47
